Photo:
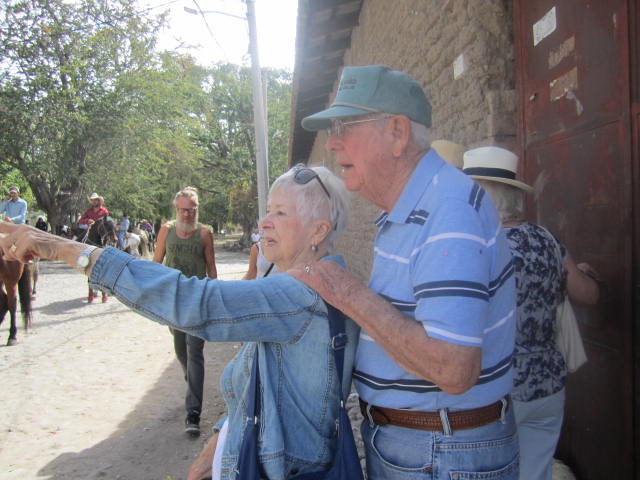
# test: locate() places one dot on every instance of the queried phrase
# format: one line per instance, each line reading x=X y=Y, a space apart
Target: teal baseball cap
x=373 y=89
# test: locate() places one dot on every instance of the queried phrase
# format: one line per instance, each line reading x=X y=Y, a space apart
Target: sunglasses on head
x=303 y=175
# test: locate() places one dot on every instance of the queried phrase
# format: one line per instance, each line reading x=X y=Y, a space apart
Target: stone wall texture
x=474 y=103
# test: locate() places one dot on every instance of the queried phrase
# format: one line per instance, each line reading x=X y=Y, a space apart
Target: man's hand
x=7 y=219
x=333 y=283
x=91 y=221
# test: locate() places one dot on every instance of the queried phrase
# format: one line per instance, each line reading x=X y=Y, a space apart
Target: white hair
x=420 y=135
x=312 y=202
x=509 y=200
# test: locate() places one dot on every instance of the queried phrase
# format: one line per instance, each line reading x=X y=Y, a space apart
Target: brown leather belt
x=460 y=420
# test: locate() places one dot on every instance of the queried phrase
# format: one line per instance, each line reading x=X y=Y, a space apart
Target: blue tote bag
x=346 y=463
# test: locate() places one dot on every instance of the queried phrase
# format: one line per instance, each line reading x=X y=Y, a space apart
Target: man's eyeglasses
x=339 y=127
x=303 y=175
x=187 y=210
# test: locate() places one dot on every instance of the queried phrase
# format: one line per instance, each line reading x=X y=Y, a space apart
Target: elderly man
x=187 y=245
x=14 y=209
x=433 y=368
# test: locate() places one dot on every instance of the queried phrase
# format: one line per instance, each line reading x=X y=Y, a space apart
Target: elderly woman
x=544 y=271
x=278 y=317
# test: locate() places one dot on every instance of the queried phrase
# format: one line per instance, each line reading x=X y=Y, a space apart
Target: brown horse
x=16 y=278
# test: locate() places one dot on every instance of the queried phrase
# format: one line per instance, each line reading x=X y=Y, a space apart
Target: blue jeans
x=190 y=353
x=539 y=423
x=488 y=452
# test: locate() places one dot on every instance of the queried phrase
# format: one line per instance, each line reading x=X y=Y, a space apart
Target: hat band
x=491 y=172
x=342 y=104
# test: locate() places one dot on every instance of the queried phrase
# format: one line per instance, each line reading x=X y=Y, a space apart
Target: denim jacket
x=280 y=317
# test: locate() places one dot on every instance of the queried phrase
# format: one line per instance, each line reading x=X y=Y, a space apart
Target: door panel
x=573 y=68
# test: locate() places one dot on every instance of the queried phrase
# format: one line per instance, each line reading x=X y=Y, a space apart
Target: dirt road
x=93 y=391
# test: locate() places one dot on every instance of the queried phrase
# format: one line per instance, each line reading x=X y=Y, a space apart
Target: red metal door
x=575 y=134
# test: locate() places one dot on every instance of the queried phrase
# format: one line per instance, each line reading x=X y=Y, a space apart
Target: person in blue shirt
x=123 y=228
x=14 y=209
x=433 y=367
x=278 y=316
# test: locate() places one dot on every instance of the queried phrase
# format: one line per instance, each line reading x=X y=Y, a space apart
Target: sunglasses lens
x=304 y=175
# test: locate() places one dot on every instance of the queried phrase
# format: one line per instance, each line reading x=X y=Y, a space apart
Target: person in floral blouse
x=544 y=273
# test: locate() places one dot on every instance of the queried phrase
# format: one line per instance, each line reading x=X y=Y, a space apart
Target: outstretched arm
x=24 y=243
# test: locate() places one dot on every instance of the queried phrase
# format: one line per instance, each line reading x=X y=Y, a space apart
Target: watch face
x=83 y=261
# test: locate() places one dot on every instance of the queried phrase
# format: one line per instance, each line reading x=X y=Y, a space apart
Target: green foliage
x=85 y=105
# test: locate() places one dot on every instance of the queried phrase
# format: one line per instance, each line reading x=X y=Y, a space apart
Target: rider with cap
x=14 y=209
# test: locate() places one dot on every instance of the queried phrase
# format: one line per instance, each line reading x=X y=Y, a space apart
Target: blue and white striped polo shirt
x=442 y=258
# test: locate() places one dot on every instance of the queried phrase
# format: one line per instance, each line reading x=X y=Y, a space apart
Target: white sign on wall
x=544 y=27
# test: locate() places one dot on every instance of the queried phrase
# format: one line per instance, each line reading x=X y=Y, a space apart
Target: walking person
x=544 y=272
x=187 y=245
x=433 y=367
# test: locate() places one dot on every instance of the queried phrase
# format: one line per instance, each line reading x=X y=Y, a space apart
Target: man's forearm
x=454 y=368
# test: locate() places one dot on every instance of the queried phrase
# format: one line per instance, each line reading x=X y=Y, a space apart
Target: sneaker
x=192 y=424
x=104 y=298
x=90 y=299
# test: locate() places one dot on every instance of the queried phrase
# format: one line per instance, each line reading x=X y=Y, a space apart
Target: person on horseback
x=88 y=218
x=91 y=215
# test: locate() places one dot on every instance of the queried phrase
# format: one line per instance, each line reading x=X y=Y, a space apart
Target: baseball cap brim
x=322 y=120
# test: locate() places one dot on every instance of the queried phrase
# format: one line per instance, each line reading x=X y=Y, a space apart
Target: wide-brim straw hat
x=95 y=196
x=450 y=152
x=495 y=164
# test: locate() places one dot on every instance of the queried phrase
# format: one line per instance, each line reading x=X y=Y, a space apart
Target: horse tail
x=24 y=290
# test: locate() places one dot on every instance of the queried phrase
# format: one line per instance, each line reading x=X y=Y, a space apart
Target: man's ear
x=401 y=133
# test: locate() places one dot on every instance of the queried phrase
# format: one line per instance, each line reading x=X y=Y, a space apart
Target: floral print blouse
x=539 y=368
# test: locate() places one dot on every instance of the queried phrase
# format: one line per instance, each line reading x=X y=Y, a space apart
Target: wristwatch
x=84 y=259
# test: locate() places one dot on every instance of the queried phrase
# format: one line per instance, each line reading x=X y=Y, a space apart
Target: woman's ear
x=322 y=229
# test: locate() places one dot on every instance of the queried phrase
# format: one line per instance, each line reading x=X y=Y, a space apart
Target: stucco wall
x=424 y=38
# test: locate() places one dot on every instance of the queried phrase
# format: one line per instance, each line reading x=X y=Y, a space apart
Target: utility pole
x=259 y=117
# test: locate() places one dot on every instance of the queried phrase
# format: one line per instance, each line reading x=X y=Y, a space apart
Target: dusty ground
x=93 y=391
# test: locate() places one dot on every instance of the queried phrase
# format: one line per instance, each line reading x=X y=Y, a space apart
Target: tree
x=227 y=139
x=65 y=89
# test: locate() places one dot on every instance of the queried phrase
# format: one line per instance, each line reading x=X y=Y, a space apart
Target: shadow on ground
x=150 y=444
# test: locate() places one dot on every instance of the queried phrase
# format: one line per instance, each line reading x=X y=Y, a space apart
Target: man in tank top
x=187 y=245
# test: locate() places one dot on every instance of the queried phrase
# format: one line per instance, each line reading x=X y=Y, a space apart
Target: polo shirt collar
x=414 y=190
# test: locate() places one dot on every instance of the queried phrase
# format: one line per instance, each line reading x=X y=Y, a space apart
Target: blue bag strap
x=338 y=341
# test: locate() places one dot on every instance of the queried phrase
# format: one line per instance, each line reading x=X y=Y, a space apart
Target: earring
x=314 y=248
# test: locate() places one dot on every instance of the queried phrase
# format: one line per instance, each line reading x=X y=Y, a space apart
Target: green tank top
x=186 y=254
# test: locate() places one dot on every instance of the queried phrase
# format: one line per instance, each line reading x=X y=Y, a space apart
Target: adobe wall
x=474 y=103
